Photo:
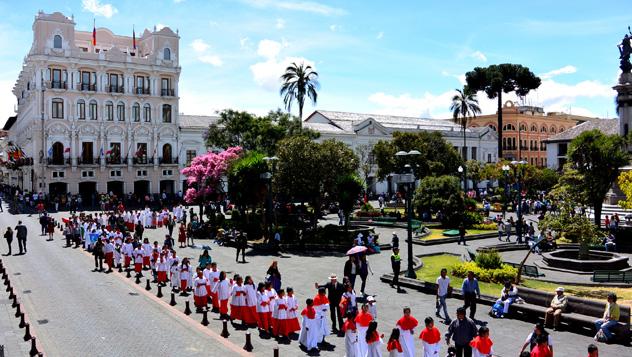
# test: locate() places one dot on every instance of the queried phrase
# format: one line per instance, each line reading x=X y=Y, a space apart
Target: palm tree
x=298 y=82
x=464 y=106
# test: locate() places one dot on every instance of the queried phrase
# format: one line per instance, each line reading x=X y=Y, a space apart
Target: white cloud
x=160 y=26
x=178 y=1
x=199 y=45
x=280 y=24
x=305 y=6
x=7 y=100
x=459 y=77
x=99 y=9
x=334 y=28
x=380 y=35
x=478 y=55
x=266 y=74
x=213 y=60
x=564 y=70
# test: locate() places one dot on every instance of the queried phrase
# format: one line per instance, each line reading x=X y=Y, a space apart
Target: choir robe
x=108 y=249
x=406 y=326
x=362 y=321
x=321 y=305
x=292 y=314
x=431 y=339
x=128 y=252
x=138 y=260
x=162 y=266
x=280 y=318
x=207 y=274
x=481 y=347
x=310 y=334
x=199 y=292
x=238 y=302
x=374 y=345
x=175 y=275
x=185 y=277
x=394 y=348
x=147 y=248
x=272 y=295
x=351 y=339
x=250 y=312
x=223 y=290
x=263 y=311
x=213 y=278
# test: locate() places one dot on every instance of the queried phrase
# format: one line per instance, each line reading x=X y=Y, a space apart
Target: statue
x=625 y=50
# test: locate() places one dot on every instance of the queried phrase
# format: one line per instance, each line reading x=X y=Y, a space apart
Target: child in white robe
x=310 y=329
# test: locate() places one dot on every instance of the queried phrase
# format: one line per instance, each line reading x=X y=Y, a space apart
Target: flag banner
x=94 y=33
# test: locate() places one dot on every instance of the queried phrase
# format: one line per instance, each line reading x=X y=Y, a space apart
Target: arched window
x=167 y=54
x=543 y=129
x=57 y=41
x=561 y=129
x=81 y=109
x=93 y=110
x=147 y=113
x=553 y=131
x=57 y=111
x=57 y=152
x=523 y=127
x=120 y=111
x=166 y=113
x=493 y=127
x=534 y=128
x=109 y=111
x=136 y=112
x=166 y=154
x=509 y=127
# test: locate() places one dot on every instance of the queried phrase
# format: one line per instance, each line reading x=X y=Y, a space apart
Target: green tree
x=464 y=106
x=365 y=164
x=496 y=79
x=438 y=157
x=441 y=193
x=625 y=184
x=474 y=171
x=299 y=82
x=597 y=158
x=348 y=188
x=248 y=190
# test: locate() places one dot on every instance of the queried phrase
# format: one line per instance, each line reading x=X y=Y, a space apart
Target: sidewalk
x=11 y=336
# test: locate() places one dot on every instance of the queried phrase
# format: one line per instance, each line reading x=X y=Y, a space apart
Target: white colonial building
x=98 y=117
x=364 y=130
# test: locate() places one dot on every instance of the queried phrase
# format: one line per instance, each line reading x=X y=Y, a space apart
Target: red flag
x=67 y=150
x=133 y=38
x=94 y=33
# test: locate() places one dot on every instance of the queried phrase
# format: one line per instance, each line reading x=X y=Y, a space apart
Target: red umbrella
x=357 y=249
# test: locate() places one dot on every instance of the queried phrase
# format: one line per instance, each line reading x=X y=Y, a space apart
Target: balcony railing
x=88 y=161
x=115 y=89
x=167 y=92
x=86 y=87
x=140 y=90
x=57 y=85
x=168 y=161
x=114 y=161
x=57 y=161
x=143 y=161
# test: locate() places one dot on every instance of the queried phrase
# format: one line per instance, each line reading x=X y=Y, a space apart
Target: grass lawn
x=436 y=233
x=433 y=264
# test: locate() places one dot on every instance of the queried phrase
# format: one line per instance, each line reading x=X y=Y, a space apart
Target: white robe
x=321 y=316
x=310 y=334
x=407 y=340
x=362 y=345
x=431 y=350
x=374 y=349
x=352 y=348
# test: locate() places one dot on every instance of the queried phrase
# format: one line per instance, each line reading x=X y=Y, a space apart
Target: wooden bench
x=528 y=270
x=612 y=276
x=580 y=313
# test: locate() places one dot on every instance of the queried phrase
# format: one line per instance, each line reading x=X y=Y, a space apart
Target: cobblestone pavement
x=66 y=291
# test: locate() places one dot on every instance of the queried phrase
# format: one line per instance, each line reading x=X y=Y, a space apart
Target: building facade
x=525 y=130
x=362 y=131
x=98 y=113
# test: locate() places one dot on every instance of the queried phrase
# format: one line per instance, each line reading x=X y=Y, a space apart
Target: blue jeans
x=445 y=306
x=605 y=326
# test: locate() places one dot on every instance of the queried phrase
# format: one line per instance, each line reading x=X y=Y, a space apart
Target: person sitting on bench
x=610 y=319
x=558 y=306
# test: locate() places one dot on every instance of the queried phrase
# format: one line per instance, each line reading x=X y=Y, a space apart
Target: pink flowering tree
x=204 y=175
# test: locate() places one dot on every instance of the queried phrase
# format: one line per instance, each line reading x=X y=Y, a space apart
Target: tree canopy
x=204 y=175
x=299 y=82
x=442 y=193
x=437 y=157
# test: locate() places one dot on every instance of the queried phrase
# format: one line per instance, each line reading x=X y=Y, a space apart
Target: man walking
x=471 y=292
x=334 y=295
x=242 y=244
x=462 y=330
x=443 y=287
x=396 y=264
x=8 y=235
x=21 y=232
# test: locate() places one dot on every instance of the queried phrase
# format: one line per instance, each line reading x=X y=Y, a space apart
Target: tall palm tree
x=464 y=106
x=298 y=83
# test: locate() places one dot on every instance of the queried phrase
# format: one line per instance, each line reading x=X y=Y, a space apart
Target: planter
x=568 y=259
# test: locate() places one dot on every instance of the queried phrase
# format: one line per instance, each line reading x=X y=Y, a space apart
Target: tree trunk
x=465 y=159
x=500 y=125
x=598 y=206
x=519 y=276
x=300 y=117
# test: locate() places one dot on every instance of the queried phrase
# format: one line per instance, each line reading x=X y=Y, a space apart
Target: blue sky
x=397 y=57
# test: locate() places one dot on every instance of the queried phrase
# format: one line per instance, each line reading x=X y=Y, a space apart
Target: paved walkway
x=107 y=320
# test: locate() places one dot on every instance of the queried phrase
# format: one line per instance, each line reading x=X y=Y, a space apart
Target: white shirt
x=443 y=284
x=528 y=340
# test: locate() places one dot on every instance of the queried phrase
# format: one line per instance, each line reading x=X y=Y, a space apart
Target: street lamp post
x=409 y=180
x=267 y=176
x=460 y=170
x=505 y=169
x=518 y=173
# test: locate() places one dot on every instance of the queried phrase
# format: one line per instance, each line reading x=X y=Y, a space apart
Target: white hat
x=370 y=299
x=394 y=233
x=559 y=289
x=333 y=276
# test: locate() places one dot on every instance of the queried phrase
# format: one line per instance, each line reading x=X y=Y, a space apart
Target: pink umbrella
x=357 y=249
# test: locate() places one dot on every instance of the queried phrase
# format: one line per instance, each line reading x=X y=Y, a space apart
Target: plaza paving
x=95 y=314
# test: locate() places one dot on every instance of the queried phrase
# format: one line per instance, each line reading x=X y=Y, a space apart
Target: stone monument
x=624 y=87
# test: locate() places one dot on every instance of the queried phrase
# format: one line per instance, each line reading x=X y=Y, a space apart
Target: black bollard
x=11 y=294
x=147 y=286
x=159 y=294
x=187 y=309
x=173 y=300
x=129 y=275
x=225 y=333
x=33 y=351
x=18 y=311
x=27 y=332
x=120 y=268
x=8 y=283
x=15 y=302
x=204 y=318
x=137 y=279
x=275 y=351
x=248 y=346
x=22 y=322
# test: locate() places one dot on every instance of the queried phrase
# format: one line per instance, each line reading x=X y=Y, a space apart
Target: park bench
x=385 y=219
x=580 y=313
x=612 y=276
x=528 y=270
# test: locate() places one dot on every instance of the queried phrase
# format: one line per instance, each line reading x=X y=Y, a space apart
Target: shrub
x=501 y=275
x=471 y=218
x=367 y=207
x=489 y=260
x=368 y=214
x=485 y=226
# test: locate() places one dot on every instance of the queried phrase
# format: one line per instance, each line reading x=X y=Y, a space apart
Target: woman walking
x=274 y=276
x=182 y=236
